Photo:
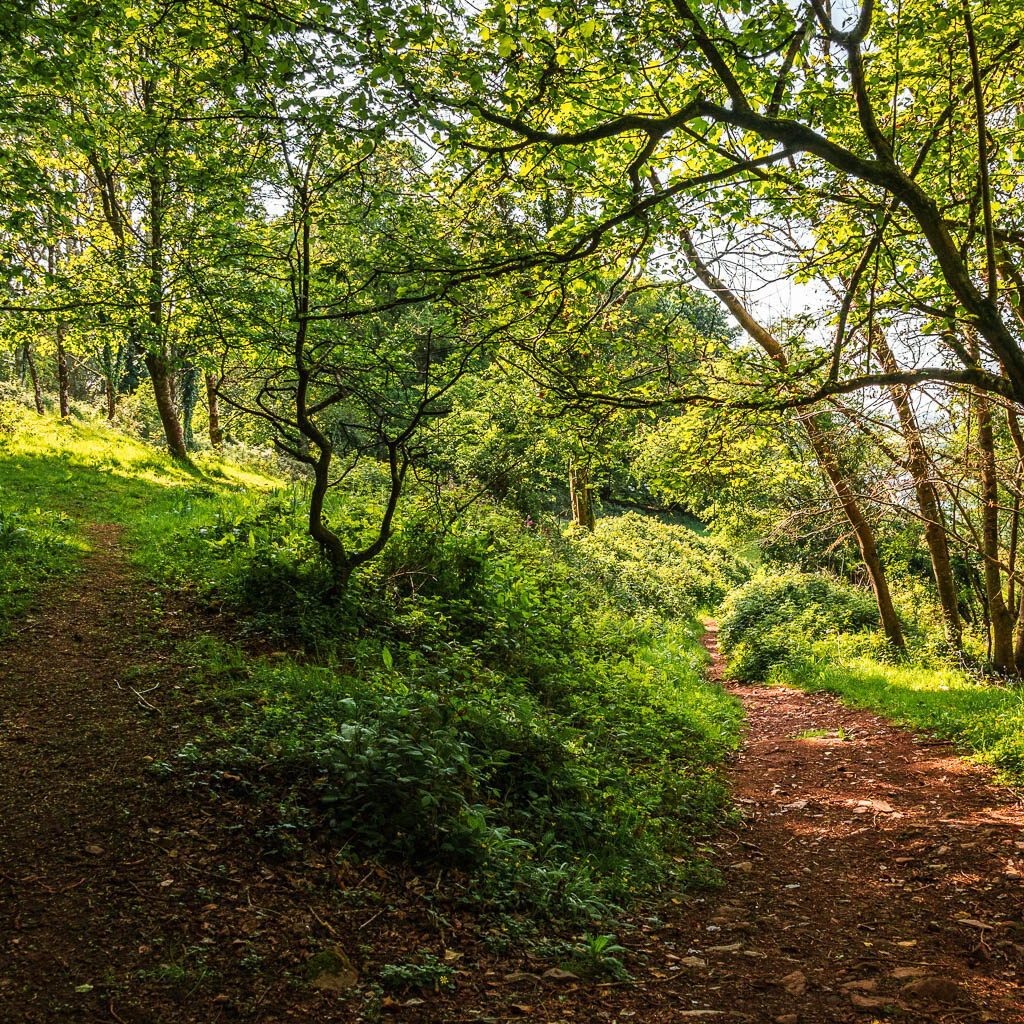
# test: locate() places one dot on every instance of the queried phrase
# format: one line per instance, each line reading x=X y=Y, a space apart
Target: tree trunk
x=62 y=356
x=581 y=497
x=1016 y=607
x=187 y=404
x=159 y=373
x=110 y=378
x=36 y=391
x=927 y=500
x=62 y=373
x=216 y=434
x=1002 y=622
x=130 y=379
x=861 y=530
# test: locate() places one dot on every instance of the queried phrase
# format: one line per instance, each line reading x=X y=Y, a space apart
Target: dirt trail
x=77 y=727
x=860 y=860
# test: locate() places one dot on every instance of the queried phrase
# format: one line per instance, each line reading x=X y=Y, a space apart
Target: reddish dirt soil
x=862 y=865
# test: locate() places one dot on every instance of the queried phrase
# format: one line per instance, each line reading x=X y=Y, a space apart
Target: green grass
x=984 y=720
x=482 y=694
x=57 y=476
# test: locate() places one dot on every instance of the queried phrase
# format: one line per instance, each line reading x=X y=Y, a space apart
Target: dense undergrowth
x=485 y=695
x=494 y=694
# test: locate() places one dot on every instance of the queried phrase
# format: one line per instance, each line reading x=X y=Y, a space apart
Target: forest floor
x=871 y=876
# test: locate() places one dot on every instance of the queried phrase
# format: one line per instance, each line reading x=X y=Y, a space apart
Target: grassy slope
x=58 y=475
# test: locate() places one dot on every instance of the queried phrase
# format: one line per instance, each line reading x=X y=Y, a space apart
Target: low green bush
x=645 y=563
x=778 y=615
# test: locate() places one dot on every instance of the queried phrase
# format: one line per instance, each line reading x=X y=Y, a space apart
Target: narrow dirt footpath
x=79 y=876
x=874 y=874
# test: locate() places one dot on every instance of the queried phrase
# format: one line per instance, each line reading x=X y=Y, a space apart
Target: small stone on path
x=794 y=983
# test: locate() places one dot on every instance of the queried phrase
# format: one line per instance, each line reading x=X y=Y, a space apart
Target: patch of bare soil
x=872 y=876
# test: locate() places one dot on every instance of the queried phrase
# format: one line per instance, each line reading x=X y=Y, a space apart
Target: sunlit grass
x=57 y=476
x=983 y=718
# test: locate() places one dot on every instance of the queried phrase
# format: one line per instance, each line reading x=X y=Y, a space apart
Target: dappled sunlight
x=883 y=846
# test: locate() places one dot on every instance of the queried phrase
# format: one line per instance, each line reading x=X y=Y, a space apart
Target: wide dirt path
x=874 y=875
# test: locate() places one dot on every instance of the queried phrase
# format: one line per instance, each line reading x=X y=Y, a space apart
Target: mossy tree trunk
x=581 y=496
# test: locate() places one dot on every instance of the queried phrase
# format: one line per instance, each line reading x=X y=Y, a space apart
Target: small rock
x=795 y=983
x=93 y=850
x=861 y=985
x=868 y=1002
x=934 y=989
x=742 y=865
x=332 y=971
x=908 y=972
x=557 y=974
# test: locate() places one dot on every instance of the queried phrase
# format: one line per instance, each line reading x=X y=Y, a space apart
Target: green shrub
x=775 y=618
x=644 y=563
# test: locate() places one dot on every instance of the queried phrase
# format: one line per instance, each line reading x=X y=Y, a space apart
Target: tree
x=339 y=366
